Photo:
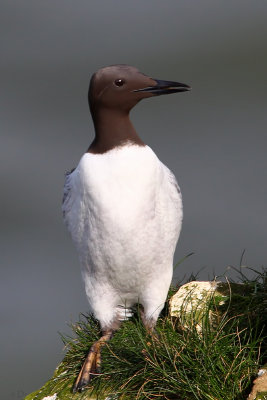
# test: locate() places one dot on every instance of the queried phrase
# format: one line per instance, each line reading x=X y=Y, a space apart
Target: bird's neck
x=112 y=128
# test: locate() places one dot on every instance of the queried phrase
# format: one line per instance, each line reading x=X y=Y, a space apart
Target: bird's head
x=121 y=87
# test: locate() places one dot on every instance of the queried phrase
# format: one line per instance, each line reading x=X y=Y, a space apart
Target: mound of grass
x=175 y=363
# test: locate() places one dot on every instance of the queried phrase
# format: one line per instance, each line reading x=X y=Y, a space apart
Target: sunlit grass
x=218 y=363
x=178 y=363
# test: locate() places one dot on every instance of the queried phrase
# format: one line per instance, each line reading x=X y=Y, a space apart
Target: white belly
x=124 y=214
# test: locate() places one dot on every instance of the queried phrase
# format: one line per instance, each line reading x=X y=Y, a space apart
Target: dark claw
x=80 y=386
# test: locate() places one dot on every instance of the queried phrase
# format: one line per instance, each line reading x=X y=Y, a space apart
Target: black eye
x=119 y=82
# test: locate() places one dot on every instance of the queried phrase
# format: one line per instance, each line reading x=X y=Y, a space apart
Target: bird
x=123 y=209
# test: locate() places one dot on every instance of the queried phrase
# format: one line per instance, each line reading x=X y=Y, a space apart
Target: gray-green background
x=214 y=139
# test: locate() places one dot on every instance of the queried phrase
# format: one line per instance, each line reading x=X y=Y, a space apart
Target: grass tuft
x=180 y=363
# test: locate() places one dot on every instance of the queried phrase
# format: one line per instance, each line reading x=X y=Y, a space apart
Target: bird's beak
x=164 y=87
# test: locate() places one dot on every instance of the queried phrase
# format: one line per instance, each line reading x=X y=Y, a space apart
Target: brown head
x=113 y=92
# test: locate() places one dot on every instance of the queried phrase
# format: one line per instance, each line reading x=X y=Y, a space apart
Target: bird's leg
x=149 y=324
x=91 y=365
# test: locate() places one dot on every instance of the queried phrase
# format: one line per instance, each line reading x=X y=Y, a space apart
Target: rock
x=259 y=390
x=191 y=303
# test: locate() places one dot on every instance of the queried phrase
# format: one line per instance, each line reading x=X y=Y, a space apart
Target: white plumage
x=123 y=209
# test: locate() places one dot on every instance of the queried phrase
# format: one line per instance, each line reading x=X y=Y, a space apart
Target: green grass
x=176 y=363
x=180 y=363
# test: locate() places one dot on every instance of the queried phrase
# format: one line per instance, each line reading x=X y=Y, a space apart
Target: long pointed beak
x=165 y=87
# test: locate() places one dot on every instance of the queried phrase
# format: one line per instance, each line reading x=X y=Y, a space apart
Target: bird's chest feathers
x=119 y=189
x=119 y=213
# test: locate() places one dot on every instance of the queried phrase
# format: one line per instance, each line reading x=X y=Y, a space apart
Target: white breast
x=123 y=209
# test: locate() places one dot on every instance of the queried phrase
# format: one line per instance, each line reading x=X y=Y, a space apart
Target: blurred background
x=213 y=139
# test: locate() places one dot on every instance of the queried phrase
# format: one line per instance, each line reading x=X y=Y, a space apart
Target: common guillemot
x=123 y=208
